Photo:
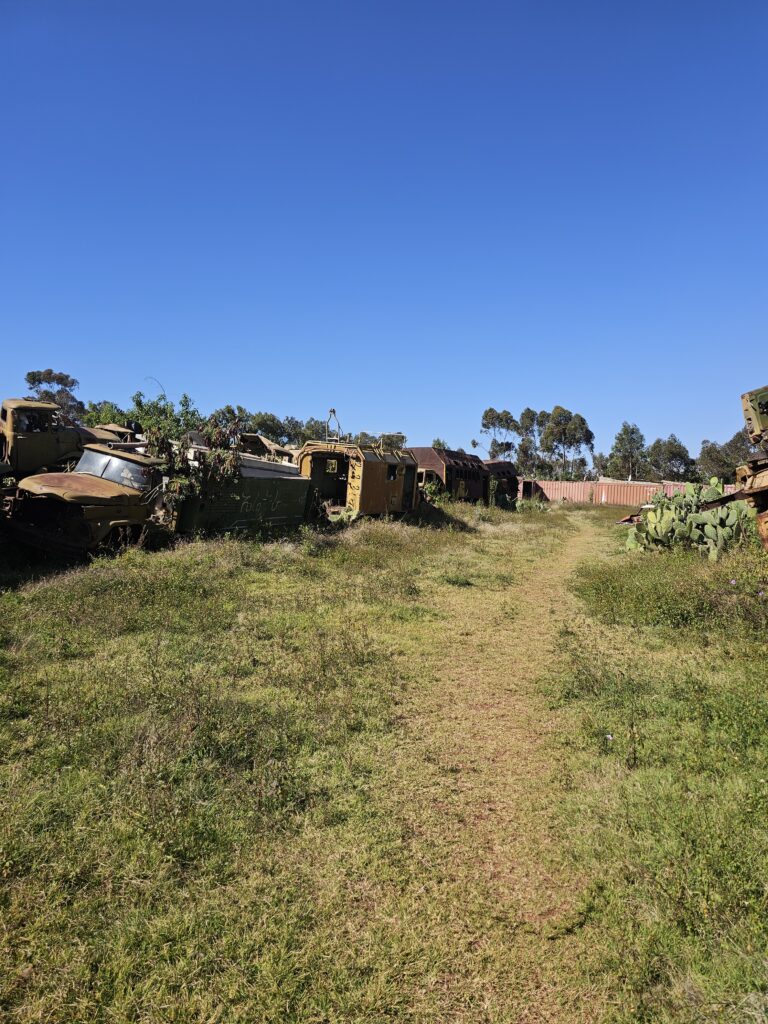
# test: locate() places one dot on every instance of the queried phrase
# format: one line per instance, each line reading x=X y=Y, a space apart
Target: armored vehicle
x=359 y=479
x=32 y=438
x=507 y=483
x=116 y=497
x=459 y=474
x=752 y=478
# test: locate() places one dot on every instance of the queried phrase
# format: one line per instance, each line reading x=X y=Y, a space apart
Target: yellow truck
x=32 y=438
x=356 y=479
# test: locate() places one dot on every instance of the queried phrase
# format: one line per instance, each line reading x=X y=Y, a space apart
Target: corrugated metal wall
x=587 y=492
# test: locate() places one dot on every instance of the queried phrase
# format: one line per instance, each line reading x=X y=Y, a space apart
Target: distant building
x=463 y=476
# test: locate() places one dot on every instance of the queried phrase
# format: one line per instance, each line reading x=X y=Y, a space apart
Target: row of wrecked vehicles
x=100 y=488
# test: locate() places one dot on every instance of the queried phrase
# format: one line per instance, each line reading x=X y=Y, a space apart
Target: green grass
x=170 y=724
x=318 y=780
x=196 y=820
x=669 y=704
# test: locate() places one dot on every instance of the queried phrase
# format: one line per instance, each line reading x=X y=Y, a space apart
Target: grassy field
x=490 y=770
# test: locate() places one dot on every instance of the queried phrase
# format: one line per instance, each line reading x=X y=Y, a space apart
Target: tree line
x=174 y=420
x=554 y=444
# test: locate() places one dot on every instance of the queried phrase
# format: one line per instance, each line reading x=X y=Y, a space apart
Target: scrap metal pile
x=752 y=478
x=102 y=489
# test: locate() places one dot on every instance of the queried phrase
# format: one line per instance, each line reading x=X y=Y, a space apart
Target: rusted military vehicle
x=115 y=497
x=357 y=479
x=459 y=474
x=506 y=482
x=752 y=478
x=32 y=438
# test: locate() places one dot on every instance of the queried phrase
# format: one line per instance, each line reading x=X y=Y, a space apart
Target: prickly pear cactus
x=681 y=520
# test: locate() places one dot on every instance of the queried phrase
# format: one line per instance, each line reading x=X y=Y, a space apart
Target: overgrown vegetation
x=319 y=779
x=187 y=746
x=684 y=520
x=670 y=699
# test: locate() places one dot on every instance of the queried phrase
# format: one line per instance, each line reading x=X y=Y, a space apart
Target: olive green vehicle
x=752 y=478
x=115 y=498
x=32 y=438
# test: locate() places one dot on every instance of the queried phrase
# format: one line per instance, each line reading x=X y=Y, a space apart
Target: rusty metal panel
x=576 y=491
x=364 y=479
x=625 y=493
x=607 y=492
x=464 y=476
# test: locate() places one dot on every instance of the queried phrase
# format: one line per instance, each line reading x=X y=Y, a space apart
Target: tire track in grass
x=486 y=805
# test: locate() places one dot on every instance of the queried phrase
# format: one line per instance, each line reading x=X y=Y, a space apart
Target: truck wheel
x=120 y=538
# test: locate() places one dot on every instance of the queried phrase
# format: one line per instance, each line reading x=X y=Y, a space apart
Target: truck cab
x=31 y=437
x=106 y=501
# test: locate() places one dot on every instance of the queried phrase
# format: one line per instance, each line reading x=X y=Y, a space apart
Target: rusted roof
x=500 y=467
x=32 y=403
x=367 y=451
x=118 y=453
x=101 y=433
x=79 y=487
x=113 y=428
x=453 y=458
x=267 y=444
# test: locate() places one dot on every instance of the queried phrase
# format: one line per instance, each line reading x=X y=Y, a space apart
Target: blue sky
x=409 y=211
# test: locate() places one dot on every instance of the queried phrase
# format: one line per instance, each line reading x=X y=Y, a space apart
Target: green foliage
x=627 y=456
x=565 y=436
x=528 y=506
x=440 y=443
x=103 y=412
x=664 y=459
x=311 y=429
x=161 y=420
x=388 y=441
x=682 y=591
x=560 y=434
x=676 y=736
x=458 y=580
x=59 y=388
x=680 y=520
x=530 y=458
x=502 y=428
x=434 y=491
x=189 y=749
x=722 y=460
x=669 y=459
x=393 y=441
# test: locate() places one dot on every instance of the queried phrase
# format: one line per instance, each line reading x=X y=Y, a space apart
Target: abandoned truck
x=32 y=438
x=458 y=474
x=752 y=478
x=360 y=479
x=116 y=497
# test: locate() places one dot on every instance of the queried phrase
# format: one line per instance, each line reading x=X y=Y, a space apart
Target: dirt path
x=488 y=728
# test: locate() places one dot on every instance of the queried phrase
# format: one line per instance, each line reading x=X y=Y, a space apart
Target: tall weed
x=678 y=748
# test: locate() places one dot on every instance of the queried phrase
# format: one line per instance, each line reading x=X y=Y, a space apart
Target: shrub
x=684 y=520
x=680 y=591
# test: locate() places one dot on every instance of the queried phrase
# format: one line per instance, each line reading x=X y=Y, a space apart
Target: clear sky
x=407 y=210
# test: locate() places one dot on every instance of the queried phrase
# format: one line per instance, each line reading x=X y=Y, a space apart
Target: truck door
x=33 y=445
x=409 y=484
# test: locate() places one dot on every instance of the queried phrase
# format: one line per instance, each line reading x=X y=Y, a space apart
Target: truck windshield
x=112 y=467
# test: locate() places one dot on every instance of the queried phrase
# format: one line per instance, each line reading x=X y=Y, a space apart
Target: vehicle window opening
x=330 y=477
x=32 y=423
